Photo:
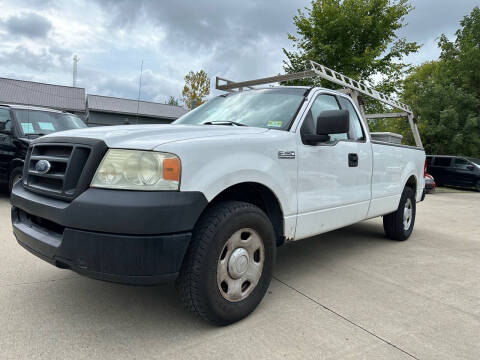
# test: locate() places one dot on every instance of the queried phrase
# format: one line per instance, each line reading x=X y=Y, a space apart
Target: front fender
x=213 y=165
x=229 y=170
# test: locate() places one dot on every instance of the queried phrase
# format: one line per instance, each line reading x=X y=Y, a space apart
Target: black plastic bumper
x=117 y=211
x=121 y=236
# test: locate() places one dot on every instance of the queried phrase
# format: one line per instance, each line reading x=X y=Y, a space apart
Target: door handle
x=352 y=160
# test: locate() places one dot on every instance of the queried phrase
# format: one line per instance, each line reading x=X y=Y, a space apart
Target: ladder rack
x=230 y=85
x=342 y=80
x=354 y=88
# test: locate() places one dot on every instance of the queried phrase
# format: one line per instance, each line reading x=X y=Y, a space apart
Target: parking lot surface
x=348 y=294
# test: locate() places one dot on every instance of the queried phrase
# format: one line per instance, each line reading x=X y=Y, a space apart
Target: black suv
x=454 y=170
x=19 y=125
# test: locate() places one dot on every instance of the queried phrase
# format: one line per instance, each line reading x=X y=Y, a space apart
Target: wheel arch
x=258 y=195
x=412 y=183
x=14 y=164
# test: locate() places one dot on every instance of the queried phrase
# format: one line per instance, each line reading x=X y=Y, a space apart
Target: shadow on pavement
x=452 y=189
x=158 y=308
x=336 y=244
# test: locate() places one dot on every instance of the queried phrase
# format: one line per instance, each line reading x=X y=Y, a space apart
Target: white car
x=207 y=199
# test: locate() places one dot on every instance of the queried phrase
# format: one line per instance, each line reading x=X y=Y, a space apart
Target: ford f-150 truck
x=207 y=199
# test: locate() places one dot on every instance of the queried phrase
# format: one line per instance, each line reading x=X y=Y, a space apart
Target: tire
x=477 y=185
x=15 y=175
x=399 y=224
x=209 y=284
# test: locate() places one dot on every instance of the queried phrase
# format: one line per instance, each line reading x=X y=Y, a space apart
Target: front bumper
x=122 y=236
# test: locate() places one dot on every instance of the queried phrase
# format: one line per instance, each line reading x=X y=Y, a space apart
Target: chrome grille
x=65 y=165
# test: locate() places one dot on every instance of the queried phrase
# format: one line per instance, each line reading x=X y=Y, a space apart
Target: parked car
x=206 y=200
x=454 y=170
x=429 y=184
x=19 y=125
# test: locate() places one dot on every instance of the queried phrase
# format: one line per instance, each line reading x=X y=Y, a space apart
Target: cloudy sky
x=233 y=39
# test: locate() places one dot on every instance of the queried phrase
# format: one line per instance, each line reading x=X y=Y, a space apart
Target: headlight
x=138 y=170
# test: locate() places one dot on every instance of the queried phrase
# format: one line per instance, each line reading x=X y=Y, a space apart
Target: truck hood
x=147 y=137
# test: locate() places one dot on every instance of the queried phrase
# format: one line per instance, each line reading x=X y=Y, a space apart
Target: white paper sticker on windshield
x=46 y=126
x=272 y=123
x=27 y=128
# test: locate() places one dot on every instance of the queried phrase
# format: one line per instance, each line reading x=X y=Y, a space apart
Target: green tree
x=197 y=87
x=445 y=94
x=463 y=55
x=172 y=100
x=354 y=37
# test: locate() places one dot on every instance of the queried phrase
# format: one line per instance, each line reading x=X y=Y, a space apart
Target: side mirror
x=330 y=122
x=3 y=128
x=470 y=167
x=333 y=122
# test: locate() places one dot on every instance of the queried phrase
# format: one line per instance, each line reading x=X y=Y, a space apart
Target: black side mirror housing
x=329 y=122
x=3 y=128
x=470 y=167
x=333 y=122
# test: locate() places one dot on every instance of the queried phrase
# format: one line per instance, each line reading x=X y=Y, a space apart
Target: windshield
x=267 y=108
x=36 y=122
x=474 y=160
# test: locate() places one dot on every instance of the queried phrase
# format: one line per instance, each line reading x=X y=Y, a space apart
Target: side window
x=356 y=131
x=5 y=120
x=461 y=163
x=442 y=161
x=321 y=103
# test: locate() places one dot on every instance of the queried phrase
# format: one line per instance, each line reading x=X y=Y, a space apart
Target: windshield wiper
x=223 y=123
x=35 y=135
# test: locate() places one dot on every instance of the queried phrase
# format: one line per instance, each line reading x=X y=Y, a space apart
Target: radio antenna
x=139 y=89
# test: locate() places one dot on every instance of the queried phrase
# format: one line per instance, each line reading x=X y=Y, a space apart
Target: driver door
x=334 y=178
x=463 y=172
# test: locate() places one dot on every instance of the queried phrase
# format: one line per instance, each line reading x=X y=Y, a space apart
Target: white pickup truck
x=207 y=199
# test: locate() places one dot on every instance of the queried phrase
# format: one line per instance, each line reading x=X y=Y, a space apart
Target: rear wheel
x=229 y=264
x=399 y=224
x=15 y=175
x=477 y=186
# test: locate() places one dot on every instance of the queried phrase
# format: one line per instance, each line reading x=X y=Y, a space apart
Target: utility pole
x=75 y=62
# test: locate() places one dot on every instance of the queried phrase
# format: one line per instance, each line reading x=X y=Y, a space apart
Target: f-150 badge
x=286 y=154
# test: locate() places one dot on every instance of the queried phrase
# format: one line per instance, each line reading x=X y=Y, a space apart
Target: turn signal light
x=171 y=169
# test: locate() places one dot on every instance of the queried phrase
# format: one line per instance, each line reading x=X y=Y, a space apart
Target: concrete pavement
x=348 y=294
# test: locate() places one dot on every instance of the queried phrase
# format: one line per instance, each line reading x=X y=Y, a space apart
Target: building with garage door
x=106 y=110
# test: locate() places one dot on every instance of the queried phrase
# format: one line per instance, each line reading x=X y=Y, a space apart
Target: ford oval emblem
x=42 y=166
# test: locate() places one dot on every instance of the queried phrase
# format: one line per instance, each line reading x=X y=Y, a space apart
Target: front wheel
x=229 y=264
x=399 y=224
